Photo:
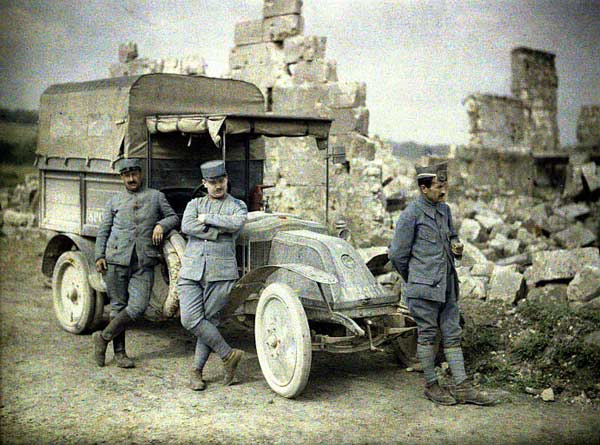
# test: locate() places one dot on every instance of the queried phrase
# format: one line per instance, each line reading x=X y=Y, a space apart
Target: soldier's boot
x=100 y=346
x=438 y=394
x=196 y=382
x=114 y=328
x=466 y=392
x=121 y=357
x=230 y=364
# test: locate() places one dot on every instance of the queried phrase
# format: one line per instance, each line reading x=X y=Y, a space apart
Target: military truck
x=302 y=289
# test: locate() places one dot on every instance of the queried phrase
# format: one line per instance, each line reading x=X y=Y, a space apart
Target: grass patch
x=534 y=345
x=17 y=142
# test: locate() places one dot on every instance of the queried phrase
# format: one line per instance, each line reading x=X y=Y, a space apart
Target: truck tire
x=73 y=298
x=283 y=342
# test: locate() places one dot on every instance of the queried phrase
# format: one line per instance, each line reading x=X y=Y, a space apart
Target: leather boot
x=466 y=392
x=99 y=348
x=230 y=364
x=114 y=328
x=121 y=357
x=196 y=382
x=439 y=395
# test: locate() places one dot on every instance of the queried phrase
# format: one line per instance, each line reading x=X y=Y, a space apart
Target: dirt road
x=53 y=393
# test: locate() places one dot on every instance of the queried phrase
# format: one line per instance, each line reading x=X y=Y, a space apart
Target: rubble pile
x=19 y=208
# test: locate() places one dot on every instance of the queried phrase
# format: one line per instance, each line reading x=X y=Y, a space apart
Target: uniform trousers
x=129 y=288
x=430 y=315
x=201 y=303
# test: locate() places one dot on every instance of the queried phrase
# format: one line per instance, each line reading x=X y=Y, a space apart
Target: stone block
x=279 y=28
x=304 y=172
x=350 y=119
x=553 y=224
x=263 y=76
x=573 y=211
x=272 y=8
x=248 y=56
x=305 y=48
x=19 y=219
x=472 y=255
x=128 y=52
x=550 y=293
x=347 y=95
x=586 y=285
x=472 y=287
x=574 y=236
x=314 y=71
x=298 y=99
x=248 y=32
x=353 y=145
x=591 y=174
x=506 y=284
x=489 y=220
x=551 y=265
x=483 y=269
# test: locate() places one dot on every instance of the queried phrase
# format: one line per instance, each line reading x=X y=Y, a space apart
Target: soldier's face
x=216 y=187
x=437 y=192
x=132 y=180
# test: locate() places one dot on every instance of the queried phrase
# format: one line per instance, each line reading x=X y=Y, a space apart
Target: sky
x=420 y=59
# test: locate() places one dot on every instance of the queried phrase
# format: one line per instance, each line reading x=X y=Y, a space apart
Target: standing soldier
x=422 y=251
x=209 y=269
x=133 y=225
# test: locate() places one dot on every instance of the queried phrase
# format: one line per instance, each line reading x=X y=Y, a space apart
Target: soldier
x=133 y=225
x=422 y=251
x=209 y=269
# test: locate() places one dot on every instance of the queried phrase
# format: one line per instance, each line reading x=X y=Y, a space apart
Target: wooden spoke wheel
x=283 y=341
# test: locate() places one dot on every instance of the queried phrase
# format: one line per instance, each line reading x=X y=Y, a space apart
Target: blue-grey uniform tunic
x=209 y=269
x=421 y=253
x=124 y=239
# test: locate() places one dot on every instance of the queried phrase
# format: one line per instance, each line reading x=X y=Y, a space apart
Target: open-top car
x=302 y=289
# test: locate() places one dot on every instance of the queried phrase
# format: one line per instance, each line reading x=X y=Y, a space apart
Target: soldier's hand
x=457 y=249
x=202 y=218
x=157 y=235
x=101 y=266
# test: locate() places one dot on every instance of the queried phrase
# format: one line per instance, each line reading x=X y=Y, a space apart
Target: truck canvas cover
x=106 y=119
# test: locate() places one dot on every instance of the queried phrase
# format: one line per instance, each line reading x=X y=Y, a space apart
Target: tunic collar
x=428 y=207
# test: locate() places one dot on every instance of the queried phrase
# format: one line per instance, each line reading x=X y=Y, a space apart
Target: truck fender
x=64 y=242
x=254 y=280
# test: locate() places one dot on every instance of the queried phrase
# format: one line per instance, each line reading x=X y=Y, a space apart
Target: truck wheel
x=73 y=298
x=283 y=341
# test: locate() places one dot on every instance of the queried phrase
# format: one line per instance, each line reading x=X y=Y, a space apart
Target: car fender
x=254 y=280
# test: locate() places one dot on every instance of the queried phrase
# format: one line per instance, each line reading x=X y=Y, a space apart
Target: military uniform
x=209 y=268
x=421 y=251
x=124 y=240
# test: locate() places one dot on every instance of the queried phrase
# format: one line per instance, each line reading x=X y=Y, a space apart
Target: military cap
x=431 y=171
x=213 y=169
x=125 y=165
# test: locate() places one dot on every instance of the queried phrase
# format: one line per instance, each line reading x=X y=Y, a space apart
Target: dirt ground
x=53 y=393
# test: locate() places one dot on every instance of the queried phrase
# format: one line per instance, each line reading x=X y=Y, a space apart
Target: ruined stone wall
x=495 y=121
x=130 y=65
x=588 y=125
x=295 y=76
x=535 y=82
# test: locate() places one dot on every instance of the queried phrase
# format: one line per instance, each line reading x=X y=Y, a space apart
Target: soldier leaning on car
x=422 y=251
x=133 y=226
x=209 y=269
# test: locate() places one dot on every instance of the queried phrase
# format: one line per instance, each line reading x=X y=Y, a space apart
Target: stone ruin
x=130 y=65
x=526 y=208
x=296 y=77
